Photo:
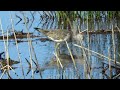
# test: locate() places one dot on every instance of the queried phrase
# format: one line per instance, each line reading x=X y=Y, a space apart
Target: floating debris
x=11 y=62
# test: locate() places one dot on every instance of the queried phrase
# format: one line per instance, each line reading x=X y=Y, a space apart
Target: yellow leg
x=57 y=48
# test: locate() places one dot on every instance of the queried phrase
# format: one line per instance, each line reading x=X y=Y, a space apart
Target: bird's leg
x=56 y=51
x=57 y=48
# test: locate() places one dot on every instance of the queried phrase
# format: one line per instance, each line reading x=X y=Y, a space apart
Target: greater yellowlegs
x=57 y=36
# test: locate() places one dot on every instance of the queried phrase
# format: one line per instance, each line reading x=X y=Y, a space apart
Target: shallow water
x=44 y=51
x=47 y=60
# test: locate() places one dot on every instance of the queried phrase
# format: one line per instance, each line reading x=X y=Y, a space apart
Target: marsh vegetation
x=70 y=45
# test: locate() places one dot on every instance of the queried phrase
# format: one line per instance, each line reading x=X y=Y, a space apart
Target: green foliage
x=66 y=19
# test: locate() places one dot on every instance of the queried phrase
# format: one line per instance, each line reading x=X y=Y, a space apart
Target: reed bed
x=64 y=20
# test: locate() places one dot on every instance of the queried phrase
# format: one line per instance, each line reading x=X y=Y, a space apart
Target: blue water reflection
x=44 y=52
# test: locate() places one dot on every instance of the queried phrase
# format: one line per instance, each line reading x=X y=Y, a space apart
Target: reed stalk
x=7 y=55
x=38 y=66
x=71 y=26
x=88 y=45
x=5 y=45
x=19 y=58
x=29 y=43
x=95 y=53
x=58 y=60
x=71 y=55
x=113 y=41
x=3 y=73
x=118 y=28
x=116 y=76
x=4 y=68
x=14 y=72
x=110 y=69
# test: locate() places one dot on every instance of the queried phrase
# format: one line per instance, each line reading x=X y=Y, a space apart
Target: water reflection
x=49 y=67
x=48 y=63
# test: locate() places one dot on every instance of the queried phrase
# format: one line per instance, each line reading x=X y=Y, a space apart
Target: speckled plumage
x=56 y=35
